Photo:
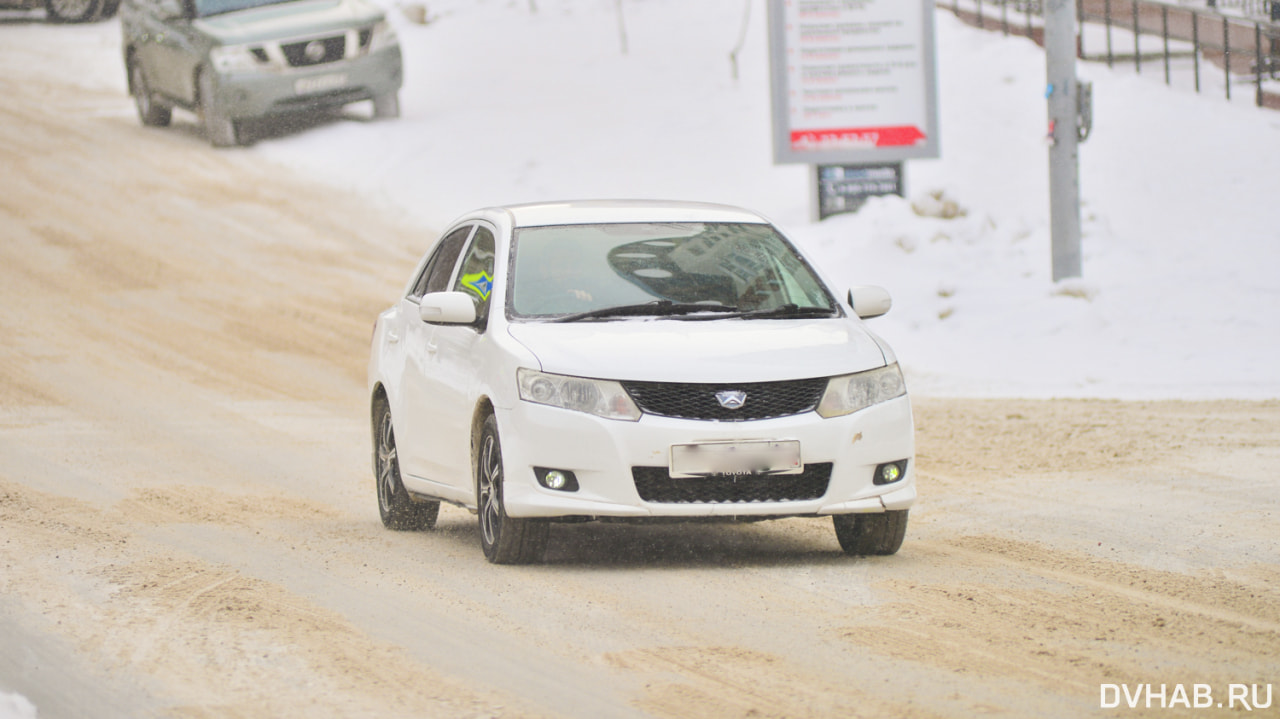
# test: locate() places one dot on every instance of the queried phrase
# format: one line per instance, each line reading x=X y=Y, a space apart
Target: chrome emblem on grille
x=731 y=399
x=314 y=51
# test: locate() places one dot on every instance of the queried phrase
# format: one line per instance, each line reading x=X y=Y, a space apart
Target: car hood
x=287 y=20
x=702 y=351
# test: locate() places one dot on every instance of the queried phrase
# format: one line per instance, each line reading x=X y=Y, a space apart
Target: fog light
x=890 y=472
x=561 y=480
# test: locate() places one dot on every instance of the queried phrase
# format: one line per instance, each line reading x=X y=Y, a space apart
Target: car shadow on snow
x=275 y=127
x=280 y=126
x=678 y=545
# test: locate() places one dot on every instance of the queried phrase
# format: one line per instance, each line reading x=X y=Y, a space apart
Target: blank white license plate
x=320 y=83
x=735 y=458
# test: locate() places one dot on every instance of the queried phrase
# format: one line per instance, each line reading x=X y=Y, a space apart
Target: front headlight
x=240 y=58
x=849 y=393
x=382 y=37
x=602 y=398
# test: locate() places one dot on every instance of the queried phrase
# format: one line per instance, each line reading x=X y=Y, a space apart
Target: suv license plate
x=735 y=458
x=319 y=83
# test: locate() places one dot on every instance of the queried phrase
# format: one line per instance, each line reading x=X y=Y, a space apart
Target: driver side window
x=439 y=269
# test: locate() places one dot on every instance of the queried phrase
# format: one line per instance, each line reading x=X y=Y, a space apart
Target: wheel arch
x=379 y=394
x=483 y=409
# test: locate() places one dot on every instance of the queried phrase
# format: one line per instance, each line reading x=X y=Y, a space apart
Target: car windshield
x=205 y=8
x=690 y=270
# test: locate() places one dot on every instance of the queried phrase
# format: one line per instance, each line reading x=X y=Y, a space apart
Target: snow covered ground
x=1181 y=193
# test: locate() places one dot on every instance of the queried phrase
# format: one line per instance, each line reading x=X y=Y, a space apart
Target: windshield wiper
x=657 y=308
x=787 y=312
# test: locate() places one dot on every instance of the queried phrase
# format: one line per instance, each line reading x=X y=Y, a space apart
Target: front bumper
x=258 y=94
x=601 y=453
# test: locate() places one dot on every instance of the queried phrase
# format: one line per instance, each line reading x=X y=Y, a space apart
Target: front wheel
x=868 y=534
x=504 y=539
x=220 y=129
x=398 y=510
x=386 y=106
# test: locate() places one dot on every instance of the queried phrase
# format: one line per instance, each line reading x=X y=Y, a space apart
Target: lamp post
x=1068 y=105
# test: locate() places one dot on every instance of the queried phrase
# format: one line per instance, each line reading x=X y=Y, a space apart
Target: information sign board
x=844 y=188
x=853 y=81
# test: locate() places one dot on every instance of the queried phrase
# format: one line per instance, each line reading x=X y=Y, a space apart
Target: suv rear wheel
x=150 y=112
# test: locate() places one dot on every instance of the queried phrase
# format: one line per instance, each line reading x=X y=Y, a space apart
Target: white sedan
x=632 y=361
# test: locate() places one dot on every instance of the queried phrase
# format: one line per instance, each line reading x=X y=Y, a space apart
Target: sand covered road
x=188 y=525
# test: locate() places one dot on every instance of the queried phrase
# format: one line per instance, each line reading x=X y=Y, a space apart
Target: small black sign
x=844 y=188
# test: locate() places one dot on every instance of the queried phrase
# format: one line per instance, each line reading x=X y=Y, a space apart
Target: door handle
x=392 y=337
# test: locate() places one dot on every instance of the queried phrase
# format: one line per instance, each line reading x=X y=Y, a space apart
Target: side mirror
x=869 y=301
x=449 y=308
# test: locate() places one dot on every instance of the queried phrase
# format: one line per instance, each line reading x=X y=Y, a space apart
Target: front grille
x=655 y=484
x=764 y=400
x=297 y=55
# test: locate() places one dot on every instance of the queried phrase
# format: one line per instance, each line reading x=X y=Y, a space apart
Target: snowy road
x=188 y=526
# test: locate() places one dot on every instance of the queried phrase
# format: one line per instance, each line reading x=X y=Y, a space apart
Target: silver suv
x=233 y=60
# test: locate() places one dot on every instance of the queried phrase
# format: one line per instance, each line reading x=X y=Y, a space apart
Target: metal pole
x=1164 y=31
x=1080 y=29
x=1064 y=170
x=1226 y=54
x=1257 y=44
x=1110 y=56
x=1195 y=41
x=1137 y=36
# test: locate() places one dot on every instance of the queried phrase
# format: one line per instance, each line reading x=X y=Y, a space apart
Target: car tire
x=108 y=9
x=150 y=112
x=871 y=534
x=71 y=10
x=398 y=510
x=387 y=106
x=504 y=539
x=218 y=128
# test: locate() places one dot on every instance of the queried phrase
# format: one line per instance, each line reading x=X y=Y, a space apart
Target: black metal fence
x=1236 y=38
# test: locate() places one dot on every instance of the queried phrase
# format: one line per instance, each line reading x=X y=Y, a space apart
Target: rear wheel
x=867 y=534
x=149 y=111
x=505 y=540
x=71 y=10
x=220 y=129
x=398 y=510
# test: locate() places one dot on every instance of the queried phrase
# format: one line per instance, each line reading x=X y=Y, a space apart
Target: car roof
x=591 y=212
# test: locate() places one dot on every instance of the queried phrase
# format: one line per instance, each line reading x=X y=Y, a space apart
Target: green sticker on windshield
x=480 y=283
